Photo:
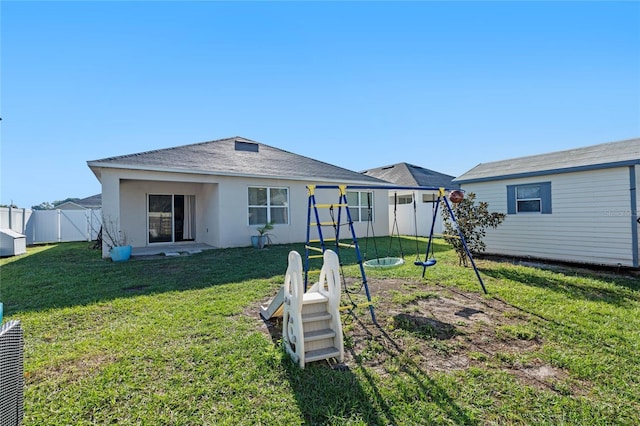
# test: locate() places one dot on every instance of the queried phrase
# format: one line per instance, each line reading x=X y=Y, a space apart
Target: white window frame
x=401 y=199
x=268 y=205
x=429 y=198
x=524 y=199
x=362 y=206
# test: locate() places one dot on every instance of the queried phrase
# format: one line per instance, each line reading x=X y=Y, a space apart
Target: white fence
x=52 y=226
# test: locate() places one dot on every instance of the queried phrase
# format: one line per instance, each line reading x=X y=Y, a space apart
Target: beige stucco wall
x=221 y=206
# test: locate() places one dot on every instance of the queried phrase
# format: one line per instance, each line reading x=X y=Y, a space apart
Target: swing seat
x=426 y=263
x=384 y=262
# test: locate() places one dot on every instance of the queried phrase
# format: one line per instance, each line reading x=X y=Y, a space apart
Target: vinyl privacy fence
x=52 y=226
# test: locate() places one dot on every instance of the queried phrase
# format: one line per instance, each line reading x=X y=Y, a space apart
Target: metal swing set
x=313 y=221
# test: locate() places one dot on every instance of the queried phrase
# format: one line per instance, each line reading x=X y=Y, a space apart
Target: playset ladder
x=319 y=245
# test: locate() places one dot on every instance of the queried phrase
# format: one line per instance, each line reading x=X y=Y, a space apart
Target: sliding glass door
x=171 y=218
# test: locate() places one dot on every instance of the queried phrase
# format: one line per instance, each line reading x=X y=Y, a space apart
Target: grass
x=175 y=341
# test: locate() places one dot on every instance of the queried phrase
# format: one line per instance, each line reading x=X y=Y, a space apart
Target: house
x=93 y=202
x=578 y=205
x=401 y=206
x=218 y=192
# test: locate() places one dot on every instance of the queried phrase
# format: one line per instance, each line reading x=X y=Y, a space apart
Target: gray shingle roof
x=235 y=156
x=606 y=155
x=92 y=202
x=404 y=174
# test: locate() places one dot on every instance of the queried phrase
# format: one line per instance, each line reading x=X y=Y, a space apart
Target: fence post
x=59 y=225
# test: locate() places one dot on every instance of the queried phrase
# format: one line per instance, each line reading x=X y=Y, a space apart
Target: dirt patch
x=437 y=329
x=70 y=371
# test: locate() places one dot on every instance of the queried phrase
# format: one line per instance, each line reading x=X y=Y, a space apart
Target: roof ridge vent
x=246 y=146
x=388 y=167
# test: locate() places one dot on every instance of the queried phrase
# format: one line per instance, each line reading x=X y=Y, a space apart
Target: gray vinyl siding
x=590 y=221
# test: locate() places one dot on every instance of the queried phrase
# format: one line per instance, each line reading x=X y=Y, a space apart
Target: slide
x=275 y=308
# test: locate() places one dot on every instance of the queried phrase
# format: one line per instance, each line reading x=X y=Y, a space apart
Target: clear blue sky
x=358 y=84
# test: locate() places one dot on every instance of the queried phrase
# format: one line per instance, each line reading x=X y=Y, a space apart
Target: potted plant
x=263 y=237
x=116 y=241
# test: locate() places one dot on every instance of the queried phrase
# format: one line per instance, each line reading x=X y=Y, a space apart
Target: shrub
x=473 y=220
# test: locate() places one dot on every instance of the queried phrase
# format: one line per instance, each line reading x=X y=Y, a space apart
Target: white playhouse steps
x=318 y=334
x=312 y=330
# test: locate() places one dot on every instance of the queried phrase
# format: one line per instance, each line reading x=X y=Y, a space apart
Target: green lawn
x=176 y=341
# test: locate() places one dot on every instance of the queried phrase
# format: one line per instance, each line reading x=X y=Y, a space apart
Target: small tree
x=45 y=205
x=473 y=220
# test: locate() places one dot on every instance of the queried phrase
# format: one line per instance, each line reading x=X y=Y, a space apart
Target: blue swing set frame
x=428 y=262
x=431 y=261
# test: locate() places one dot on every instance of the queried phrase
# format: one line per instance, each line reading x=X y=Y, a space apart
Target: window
x=529 y=198
x=171 y=218
x=268 y=205
x=401 y=199
x=360 y=205
x=429 y=198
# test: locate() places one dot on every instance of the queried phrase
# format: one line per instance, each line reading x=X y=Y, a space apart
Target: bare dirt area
x=438 y=329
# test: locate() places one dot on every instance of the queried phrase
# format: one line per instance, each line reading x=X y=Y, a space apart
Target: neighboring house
x=408 y=215
x=579 y=205
x=218 y=192
x=93 y=202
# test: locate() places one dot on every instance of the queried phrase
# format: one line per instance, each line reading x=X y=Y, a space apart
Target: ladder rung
x=317 y=240
x=311 y=336
x=316 y=256
x=322 y=353
x=323 y=224
x=345 y=245
x=313 y=248
x=328 y=206
x=316 y=316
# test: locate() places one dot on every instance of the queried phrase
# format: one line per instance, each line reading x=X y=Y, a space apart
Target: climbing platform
x=311 y=325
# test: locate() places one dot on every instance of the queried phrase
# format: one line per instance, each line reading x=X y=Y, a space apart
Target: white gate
x=52 y=226
x=48 y=226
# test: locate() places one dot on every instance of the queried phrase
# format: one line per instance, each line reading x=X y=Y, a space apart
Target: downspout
x=634 y=215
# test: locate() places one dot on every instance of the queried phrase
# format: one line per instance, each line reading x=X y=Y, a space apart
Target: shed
x=12 y=243
x=578 y=205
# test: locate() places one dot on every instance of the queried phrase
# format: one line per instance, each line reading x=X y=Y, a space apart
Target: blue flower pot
x=120 y=253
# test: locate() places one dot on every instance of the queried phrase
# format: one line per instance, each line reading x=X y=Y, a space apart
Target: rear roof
x=235 y=156
x=404 y=174
x=606 y=155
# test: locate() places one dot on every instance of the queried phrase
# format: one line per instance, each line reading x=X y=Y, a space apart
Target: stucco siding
x=222 y=206
x=589 y=222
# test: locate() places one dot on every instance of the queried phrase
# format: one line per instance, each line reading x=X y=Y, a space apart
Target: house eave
x=96 y=166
